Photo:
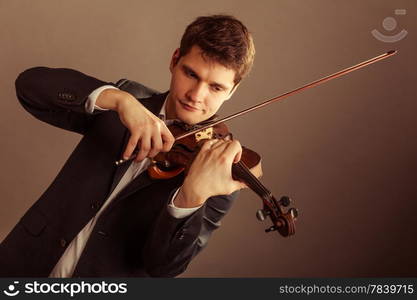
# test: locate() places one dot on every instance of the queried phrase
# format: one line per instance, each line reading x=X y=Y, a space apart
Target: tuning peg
x=261 y=214
x=272 y=228
x=294 y=212
x=285 y=201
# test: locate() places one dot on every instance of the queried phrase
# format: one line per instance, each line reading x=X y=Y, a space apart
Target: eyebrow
x=189 y=69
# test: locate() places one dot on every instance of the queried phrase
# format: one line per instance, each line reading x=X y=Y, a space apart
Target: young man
x=97 y=219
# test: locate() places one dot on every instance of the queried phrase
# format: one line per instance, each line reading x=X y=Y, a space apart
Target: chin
x=190 y=120
x=189 y=117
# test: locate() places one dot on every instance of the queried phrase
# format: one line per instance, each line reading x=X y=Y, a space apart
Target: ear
x=232 y=91
x=174 y=59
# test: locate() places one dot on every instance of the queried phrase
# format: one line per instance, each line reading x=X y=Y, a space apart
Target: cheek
x=214 y=105
x=176 y=82
x=180 y=87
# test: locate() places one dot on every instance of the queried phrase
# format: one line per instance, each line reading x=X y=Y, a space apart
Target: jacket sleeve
x=173 y=243
x=57 y=96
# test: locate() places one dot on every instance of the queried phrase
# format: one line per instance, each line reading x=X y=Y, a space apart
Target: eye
x=216 y=88
x=190 y=73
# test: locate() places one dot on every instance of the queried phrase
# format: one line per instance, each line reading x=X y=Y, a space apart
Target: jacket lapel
x=140 y=181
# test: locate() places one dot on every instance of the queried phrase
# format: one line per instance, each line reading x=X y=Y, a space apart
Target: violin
x=169 y=164
x=189 y=138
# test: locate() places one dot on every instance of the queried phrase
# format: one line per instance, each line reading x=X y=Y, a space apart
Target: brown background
x=345 y=151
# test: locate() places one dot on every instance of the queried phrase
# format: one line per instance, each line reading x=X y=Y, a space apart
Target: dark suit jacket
x=135 y=235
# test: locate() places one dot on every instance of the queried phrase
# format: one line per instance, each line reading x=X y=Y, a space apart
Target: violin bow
x=287 y=94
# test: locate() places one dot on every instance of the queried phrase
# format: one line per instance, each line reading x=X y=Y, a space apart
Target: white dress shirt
x=68 y=261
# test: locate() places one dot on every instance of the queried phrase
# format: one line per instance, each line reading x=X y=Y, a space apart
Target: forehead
x=208 y=69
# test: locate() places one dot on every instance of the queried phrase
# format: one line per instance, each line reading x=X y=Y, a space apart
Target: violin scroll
x=283 y=222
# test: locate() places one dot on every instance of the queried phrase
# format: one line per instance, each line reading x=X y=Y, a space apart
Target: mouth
x=188 y=107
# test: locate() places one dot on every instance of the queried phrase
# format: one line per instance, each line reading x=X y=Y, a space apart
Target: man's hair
x=223 y=39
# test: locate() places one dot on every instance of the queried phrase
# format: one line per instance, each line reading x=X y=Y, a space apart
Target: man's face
x=198 y=87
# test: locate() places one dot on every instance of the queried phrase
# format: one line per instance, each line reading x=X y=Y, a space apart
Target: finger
x=220 y=146
x=238 y=157
x=208 y=144
x=232 y=151
x=257 y=170
x=223 y=145
x=219 y=143
x=145 y=146
x=237 y=185
x=156 y=144
x=167 y=139
x=242 y=185
x=131 y=145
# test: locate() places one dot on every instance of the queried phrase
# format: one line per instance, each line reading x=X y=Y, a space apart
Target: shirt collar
x=162 y=112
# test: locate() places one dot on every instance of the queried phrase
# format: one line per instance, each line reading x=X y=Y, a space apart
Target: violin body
x=183 y=152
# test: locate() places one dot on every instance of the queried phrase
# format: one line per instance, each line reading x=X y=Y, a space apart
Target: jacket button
x=66 y=97
x=181 y=234
x=95 y=205
x=63 y=242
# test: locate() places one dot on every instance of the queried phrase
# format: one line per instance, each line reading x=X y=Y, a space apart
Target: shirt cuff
x=90 y=104
x=180 y=212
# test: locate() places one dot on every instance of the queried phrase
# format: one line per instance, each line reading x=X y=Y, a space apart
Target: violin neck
x=242 y=173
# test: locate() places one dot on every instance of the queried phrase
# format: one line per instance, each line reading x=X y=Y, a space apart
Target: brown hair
x=221 y=38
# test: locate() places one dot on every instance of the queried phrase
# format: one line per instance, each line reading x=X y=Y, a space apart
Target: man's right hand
x=147 y=132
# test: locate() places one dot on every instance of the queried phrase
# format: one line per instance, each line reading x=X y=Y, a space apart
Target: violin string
x=253 y=180
x=258 y=186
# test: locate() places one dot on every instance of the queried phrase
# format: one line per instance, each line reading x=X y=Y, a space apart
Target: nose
x=197 y=93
